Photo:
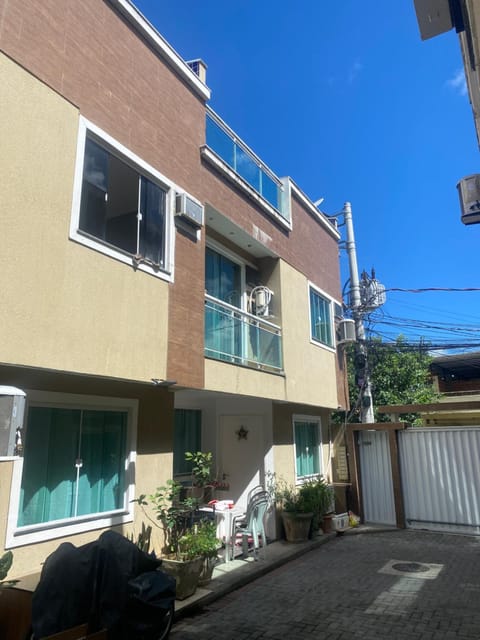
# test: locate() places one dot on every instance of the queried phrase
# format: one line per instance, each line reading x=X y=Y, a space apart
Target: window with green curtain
x=74 y=464
x=307 y=448
x=320 y=318
x=187 y=436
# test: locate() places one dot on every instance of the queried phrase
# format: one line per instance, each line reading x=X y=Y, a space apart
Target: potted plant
x=202 y=541
x=180 y=556
x=201 y=472
x=296 y=509
x=319 y=495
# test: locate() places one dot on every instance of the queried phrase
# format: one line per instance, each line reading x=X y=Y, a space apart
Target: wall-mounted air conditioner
x=346 y=331
x=189 y=209
x=259 y=301
x=12 y=409
x=469 y=192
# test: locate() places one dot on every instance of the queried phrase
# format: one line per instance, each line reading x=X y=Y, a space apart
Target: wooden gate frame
x=353 y=457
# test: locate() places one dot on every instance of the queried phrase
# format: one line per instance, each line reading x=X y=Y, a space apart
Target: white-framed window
x=122 y=206
x=321 y=317
x=76 y=473
x=307 y=438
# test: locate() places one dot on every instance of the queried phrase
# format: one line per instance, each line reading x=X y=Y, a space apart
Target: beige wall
x=69 y=308
x=310 y=369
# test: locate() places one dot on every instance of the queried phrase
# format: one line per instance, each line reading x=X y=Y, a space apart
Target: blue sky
x=353 y=106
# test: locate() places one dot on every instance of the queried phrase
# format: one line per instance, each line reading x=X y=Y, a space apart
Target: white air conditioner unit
x=189 y=209
x=12 y=409
x=261 y=297
x=346 y=331
x=469 y=192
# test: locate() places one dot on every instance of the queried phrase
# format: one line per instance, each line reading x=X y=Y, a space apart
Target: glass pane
x=307 y=448
x=152 y=228
x=219 y=141
x=270 y=190
x=223 y=333
x=122 y=206
x=102 y=475
x=49 y=472
x=93 y=206
x=186 y=437
x=247 y=168
x=320 y=318
x=222 y=278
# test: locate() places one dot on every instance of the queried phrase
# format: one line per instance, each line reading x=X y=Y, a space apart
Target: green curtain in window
x=187 y=437
x=307 y=448
x=58 y=440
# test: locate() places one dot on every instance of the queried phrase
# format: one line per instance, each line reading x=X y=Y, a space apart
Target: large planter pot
x=296 y=525
x=186 y=574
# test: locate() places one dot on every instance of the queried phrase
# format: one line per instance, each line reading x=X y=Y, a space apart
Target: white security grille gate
x=440 y=469
x=376 y=477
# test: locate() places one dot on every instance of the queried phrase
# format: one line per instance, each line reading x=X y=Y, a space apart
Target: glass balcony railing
x=235 y=336
x=245 y=163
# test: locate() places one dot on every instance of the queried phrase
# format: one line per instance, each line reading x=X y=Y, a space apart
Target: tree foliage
x=399 y=374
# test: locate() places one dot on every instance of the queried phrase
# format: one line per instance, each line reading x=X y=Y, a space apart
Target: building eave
x=165 y=51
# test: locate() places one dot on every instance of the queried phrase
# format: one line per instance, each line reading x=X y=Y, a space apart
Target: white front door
x=242 y=449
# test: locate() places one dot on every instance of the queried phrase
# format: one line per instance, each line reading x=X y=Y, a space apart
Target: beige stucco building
x=162 y=288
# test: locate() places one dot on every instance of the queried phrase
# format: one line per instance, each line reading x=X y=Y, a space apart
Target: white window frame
x=332 y=302
x=116 y=148
x=31 y=534
x=318 y=420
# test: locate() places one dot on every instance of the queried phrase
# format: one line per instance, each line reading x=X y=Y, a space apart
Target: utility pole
x=361 y=357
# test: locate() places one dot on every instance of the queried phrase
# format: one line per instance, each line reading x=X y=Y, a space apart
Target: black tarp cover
x=99 y=583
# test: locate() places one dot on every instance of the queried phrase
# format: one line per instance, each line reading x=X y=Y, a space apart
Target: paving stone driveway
x=338 y=592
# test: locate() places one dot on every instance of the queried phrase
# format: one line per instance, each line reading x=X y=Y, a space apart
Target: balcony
x=250 y=171
x=238 y=337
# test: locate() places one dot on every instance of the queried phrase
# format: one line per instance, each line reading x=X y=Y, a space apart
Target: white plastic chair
x=250 y=525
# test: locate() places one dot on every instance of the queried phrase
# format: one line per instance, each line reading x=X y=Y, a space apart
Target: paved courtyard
x=399 y=584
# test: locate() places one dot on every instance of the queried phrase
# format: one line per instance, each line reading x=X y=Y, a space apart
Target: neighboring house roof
x=459 y=366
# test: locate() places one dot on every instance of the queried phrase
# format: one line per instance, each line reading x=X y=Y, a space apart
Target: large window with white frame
x=321 y=317
x=307 y=435
x=122 y=205
x=76 y=472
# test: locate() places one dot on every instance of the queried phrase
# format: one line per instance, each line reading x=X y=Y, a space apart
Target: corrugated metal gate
x=376 y=478
x=440 y=470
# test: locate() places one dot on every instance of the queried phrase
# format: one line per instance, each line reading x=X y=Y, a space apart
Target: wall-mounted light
x=160 y=382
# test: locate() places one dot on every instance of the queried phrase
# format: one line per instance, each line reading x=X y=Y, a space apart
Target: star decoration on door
x=242 y=433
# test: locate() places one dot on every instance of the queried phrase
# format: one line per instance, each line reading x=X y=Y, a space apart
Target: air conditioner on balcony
x=12 y=408
x=189 y=209
x=469 y=192
x=346 y=331
x=259 y=301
